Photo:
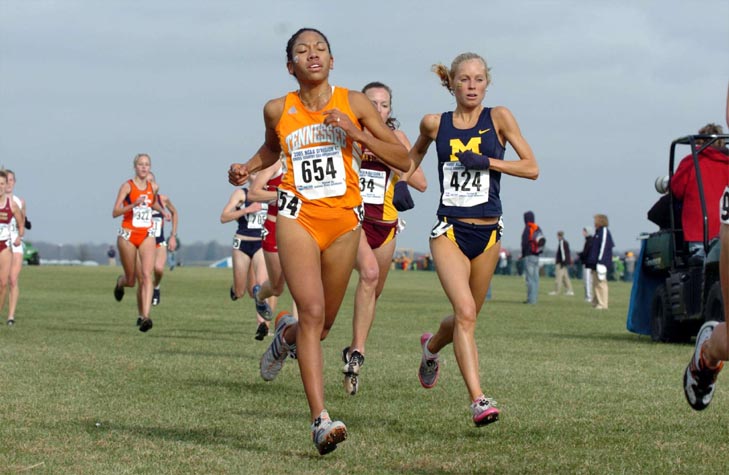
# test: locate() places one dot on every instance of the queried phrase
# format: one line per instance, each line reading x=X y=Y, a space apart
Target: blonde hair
x=712 y=129
x=447 y=75
x=140 y=155
x=601 y=221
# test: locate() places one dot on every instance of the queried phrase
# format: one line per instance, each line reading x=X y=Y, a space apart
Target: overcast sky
x=600 y=89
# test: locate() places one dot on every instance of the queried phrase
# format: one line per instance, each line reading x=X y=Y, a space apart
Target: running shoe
x=145 y=325
x=261 y=331
x=118 y=291
x=233 y=297
x=139 y=321
x=262 y=307
x=484 y=411
x=327 y=433
x=11 y=322
x=698 y=382
x=155 y=297
x=275 y=355
x=429 y=367
x=352 y=364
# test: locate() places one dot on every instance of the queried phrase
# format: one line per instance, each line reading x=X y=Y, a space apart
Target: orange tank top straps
x=322 y=161
x=139 y=217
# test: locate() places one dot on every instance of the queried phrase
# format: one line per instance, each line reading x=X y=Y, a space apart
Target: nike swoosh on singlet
x=481 y=132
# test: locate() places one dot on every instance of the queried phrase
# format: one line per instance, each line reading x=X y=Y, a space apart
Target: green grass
x=84 y=392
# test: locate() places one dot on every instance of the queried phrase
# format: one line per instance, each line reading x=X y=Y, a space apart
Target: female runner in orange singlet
x=319 y=128
x=135 y=201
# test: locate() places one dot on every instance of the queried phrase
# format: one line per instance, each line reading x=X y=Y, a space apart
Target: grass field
x=84 y=392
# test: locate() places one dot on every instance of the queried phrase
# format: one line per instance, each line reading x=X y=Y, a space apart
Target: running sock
x=426 y=351
x=704 y=363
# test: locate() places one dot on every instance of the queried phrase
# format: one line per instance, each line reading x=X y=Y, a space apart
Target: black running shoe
x=145 y=325
x=232 y=295
x=118 y=291
x=155 y=297
x=139 y=321
x=11 y=322
x=261 y=331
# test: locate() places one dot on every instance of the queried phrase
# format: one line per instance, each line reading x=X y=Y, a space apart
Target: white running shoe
x=327 y=433
x=484 y=411
x=699 y=383
x=275 y=355
x=429 y=368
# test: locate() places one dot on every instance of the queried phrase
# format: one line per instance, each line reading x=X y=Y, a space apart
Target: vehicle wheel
x=662 y=324
x=714 y=305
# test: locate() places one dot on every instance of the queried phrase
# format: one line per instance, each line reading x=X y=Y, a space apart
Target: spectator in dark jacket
x=586 y=271
x=562 y=263
x=530 y=254
x=600 y=258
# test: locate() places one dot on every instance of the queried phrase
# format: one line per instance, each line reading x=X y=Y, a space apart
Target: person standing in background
x=532 y=244
x=629 y=266
x=111 y=254
x=586 y=270
x=600 y=259
x=563 y=260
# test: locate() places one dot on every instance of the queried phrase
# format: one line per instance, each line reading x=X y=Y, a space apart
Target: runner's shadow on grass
x=235 y=386
x=211 y=354
x=248 y=440
x=199 y=337
x=205 y=331
x=202 y=436
x=77 y=329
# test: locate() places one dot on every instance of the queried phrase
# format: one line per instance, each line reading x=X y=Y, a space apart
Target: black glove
x=473 y=160
x=401 y=198
x=27 y=223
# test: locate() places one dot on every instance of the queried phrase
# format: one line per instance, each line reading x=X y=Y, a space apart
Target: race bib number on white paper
x=319 y=172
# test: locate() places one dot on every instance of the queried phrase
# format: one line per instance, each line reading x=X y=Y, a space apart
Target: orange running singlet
x=137 y=222
x=322 y=162
x=320 y=188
